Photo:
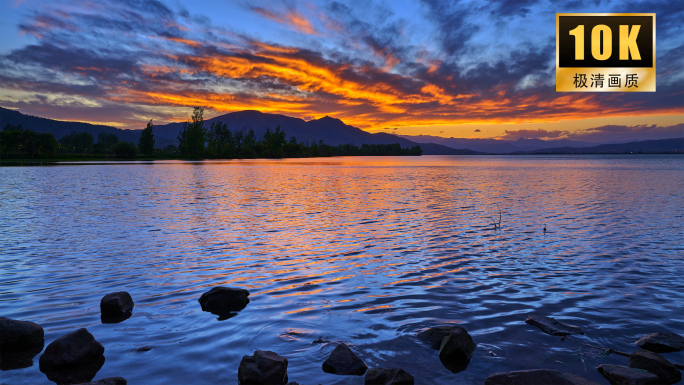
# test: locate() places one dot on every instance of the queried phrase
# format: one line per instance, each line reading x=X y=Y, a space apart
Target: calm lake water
x=368 y=251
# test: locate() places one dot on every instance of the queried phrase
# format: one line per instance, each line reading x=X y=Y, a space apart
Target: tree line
x=195 y=141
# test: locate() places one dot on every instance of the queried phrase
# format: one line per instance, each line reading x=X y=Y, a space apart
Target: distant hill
x=497 y=146
x=60 y=128
x=331 y=131
x=661 y=146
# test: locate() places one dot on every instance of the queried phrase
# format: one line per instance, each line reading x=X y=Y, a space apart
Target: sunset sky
x=468 y=69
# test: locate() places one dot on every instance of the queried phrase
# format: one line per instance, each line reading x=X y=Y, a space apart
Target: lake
x=367 y=251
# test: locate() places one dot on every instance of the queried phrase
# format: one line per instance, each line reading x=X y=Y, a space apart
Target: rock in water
x=222 y=300
x=72 y=349
x=529 y=377
x=114 y=304
x=656 y=364
x=456 y=350
x=435 y=335
x=380 y=376
x=107 y=381
x=622 y=375
x=551 y=326
x=74 y=374
x=263 y=368
x=578 y=380
x=19 y=335
x=344 y=362
x=661 y=342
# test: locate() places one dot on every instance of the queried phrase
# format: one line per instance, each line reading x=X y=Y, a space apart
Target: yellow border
x=648 y=87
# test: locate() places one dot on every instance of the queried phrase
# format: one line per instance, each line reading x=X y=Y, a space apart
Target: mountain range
x=334 y=131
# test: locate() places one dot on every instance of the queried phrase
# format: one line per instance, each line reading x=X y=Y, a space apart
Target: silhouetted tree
x=105 y=142
x=220 y=140
x=10 y=139
x=193 y=135
x=273 y=143
x=146 y=141
x=125 y=150
x=77 y=142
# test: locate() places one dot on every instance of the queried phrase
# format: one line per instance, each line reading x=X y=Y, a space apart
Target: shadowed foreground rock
x=623 y=375
x=74 y=374
x=536 y=377
x=552 y=326
x=661 y=342
x=222 y=300
x=72 y=349
x=656 y=364
x=19 y=335
x=380 y=376
x=343 y=361
x=114 y=304
x=18 y=359
x=456 y=349
x=263 y=368
x=107 y=381
x=434 y=336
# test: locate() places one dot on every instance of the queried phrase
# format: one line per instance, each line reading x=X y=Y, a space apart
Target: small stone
x=114 y=304
x=434 y=336
x=380 y=376
x=528 y=377
x=456 y=350
x=72 y=349
x=552 y=326
x=661 y=342
x=623 y=375
x=343 y=361
x=221 y=300
x=320 y=340
x=263 y=368
x=19 y=335
x=578 y=380
x=656 y=364
x=107 y=381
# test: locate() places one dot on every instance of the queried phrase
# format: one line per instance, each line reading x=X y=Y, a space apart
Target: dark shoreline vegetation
x=195 y=142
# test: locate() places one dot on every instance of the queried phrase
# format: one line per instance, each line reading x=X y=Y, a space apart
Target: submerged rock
x=72 y=349
x=552 y=326
x=623 y=375
x=530 y=377
x=222 y=300
x=661 y=342
x=114 y=304
x=263 y=368
x=654 y=363
x=107 y=381
x=434 y=336
x=456 y=349
x=144 y=349
x=343 y=361
x=19 y=335
x=380 y=376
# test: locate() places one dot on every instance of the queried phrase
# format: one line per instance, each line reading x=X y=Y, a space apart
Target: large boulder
x=656 y=364
x=18 y=359
x=19 y=335
x=661 y=342
x=552 y=326
x=72 y=349
x=263 y=368
x=114 y=304
x=107 y=381
x=456 y=349
x=380 y=376
x=530 y=377
x=434 y=336
x=623 y=375
x=343 y=361
x=579 y=380
x=222 y=300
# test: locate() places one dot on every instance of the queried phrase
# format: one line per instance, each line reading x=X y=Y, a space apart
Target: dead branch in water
x=496 y=226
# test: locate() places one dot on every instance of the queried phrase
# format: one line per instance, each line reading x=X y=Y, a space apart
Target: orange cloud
x=292 y=18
